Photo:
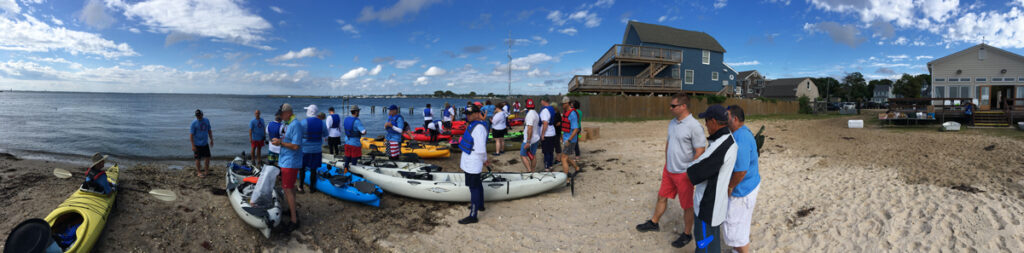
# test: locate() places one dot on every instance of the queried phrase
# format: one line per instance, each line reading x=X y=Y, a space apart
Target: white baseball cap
x=310 y=110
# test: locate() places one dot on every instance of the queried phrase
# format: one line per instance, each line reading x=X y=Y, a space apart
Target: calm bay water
x=154 y=127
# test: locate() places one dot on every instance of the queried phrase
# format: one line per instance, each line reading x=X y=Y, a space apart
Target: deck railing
x=634 y=52
x=623 y=83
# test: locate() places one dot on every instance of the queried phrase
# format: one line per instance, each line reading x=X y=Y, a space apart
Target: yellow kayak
x=423 y=151
x=87 y=210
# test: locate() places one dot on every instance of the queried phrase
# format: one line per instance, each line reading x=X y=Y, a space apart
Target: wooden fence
x=650 y=107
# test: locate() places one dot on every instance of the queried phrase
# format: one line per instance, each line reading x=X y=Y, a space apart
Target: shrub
x=805 y=105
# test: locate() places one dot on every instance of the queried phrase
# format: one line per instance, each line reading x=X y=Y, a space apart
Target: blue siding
x=632 y=38
x=692 y=60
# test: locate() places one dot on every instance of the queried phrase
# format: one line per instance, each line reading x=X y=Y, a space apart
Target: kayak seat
x=250 y=179
x=365 y=187
x=416 y=175
x=339 y=180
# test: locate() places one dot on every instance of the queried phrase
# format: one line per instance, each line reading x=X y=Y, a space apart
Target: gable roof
x=785 y=87
x=745 y=74
x=660 y=34
x=882 y=88
x=974 y=49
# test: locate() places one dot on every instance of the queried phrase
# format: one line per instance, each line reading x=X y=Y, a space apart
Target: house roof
x=974 y=49
x=785 y=87
x=745 y=74
x=881 y=87
x=651 y=33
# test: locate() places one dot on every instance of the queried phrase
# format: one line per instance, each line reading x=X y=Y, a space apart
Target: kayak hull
x=345 y=192
x=451 y=187
x=92 y=209
x=426 y=152
x=239 y=193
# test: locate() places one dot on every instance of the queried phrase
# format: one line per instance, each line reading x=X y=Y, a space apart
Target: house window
x=954 y=91
x=940 y=79
x=1020 y=91
x=997 y=79
x=979 y=79
x=965 y=91
x=714 y=76
x=689 y=76
x=705 y=57
x=675 y=72
x=940 y=91
x=981 y=53
x=1020 y=79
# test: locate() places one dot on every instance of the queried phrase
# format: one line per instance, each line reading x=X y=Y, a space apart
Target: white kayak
x=423 y=181
x=240 y=189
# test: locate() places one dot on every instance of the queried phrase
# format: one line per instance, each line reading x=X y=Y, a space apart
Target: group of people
x=716 y=178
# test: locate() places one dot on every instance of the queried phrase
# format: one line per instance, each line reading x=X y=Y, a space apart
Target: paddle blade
x=164 y=195
x=61 y=173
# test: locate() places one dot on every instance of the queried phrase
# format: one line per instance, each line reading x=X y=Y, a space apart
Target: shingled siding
x=647 y=107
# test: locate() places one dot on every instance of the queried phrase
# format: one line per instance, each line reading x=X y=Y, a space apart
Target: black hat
x=472 y=109
x=716 y=112
x=199 y=112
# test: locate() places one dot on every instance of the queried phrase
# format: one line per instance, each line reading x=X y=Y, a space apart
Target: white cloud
x=541 y=41
x=568 y=31
x=134 y=30
x=554 y=16
x=95 y=15
x=898 y=57
x=589 y=19
x=354 y=73
x=609 y=3
x=523 y=63
x=10 y=6
x=404 y=64
x=846 y=34
x=223 y=20
x=450 y=84
x=56 y=21
x=349 y=28
x=32 y=35
x=744 y=63
x=938 y=10
x=376 y=70
x=889 y=65
x=900 y=41
x=276 y=9
x=421 y=81
x=919 y=57
x=997 y=29
x=537 y=73
x=720 y=4
x=292 y=55
x=434 y=71
x=396 y=12
x=662 y=19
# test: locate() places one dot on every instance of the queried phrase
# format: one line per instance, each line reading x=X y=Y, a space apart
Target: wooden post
x=411 y=110
x=373 y=110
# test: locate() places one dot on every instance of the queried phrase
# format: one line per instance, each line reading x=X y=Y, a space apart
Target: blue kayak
x=346 y=187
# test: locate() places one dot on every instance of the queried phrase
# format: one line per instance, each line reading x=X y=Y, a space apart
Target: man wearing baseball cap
x=393 y=132
x=531 y=136
x=473 y=160
x=710 y=175
x=354 y=130
x=314 y=130
x=201 y=137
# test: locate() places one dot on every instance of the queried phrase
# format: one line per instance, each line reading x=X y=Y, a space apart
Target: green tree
x=855 y=86
x=827 y=85
x=491 y=94
x=449 y=93
x=472 y=93
x=805 y=105
x=438 y=93
x=909 y=86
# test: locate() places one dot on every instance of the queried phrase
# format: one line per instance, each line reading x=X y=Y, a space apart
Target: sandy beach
x=824 y=188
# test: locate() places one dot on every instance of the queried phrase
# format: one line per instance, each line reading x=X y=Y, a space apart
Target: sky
x=420 y=46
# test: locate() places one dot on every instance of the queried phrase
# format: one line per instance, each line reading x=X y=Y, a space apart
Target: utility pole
x=510 y=41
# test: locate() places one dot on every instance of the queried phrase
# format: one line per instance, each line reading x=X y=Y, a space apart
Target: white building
x=988 y=75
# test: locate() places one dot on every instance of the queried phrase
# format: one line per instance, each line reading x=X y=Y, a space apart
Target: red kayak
x=421 y=135
x=516 y=122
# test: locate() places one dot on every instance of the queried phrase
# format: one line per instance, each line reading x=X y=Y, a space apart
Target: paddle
x=163 y=195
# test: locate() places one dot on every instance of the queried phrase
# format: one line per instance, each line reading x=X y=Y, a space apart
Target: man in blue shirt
x=290 y=160
x=743 y=185
x=314 y=132
x=570 y=135
x=393 y=132
x=354 y=130
x=257 y=137
x=201 y=136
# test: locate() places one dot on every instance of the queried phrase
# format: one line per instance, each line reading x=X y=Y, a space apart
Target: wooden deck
x=625 y=84
x=633 y=53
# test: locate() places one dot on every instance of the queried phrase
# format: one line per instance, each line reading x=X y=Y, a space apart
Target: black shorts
x=201 y=152
x=333 y=141
x=500 y=133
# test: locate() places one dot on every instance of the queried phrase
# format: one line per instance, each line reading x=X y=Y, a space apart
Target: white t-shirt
x=334 y=132
x=498 y=121
x=434 y=126
x=473 y=163
x=451 y=112
x=546 y=116
x=504 y=108
x=531 y=120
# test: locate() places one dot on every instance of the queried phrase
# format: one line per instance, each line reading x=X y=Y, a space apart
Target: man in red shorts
x=257 y=137
x=685 y=143
x=354 y=130
x=290 y=161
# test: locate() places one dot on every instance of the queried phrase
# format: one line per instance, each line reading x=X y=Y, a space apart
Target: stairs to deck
x=991 y=119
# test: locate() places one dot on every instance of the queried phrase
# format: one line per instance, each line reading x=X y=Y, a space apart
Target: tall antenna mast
x=510 y=41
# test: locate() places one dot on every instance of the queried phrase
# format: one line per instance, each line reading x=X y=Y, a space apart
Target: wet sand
x=824 y=188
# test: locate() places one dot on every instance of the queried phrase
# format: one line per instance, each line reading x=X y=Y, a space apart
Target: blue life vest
x=350 y=128
x=447 y=113
x=466 y=144
x=274 y=129
x=314 y=130
x=335 y=121
x=394 y=123
x=427 y=112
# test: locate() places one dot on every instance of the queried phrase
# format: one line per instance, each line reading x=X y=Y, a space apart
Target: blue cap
x=716 y=112
x=393 y=107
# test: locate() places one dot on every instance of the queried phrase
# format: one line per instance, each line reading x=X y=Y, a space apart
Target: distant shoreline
x=364 y=96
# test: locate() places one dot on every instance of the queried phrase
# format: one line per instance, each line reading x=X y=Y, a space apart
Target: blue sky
x=419 y=46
